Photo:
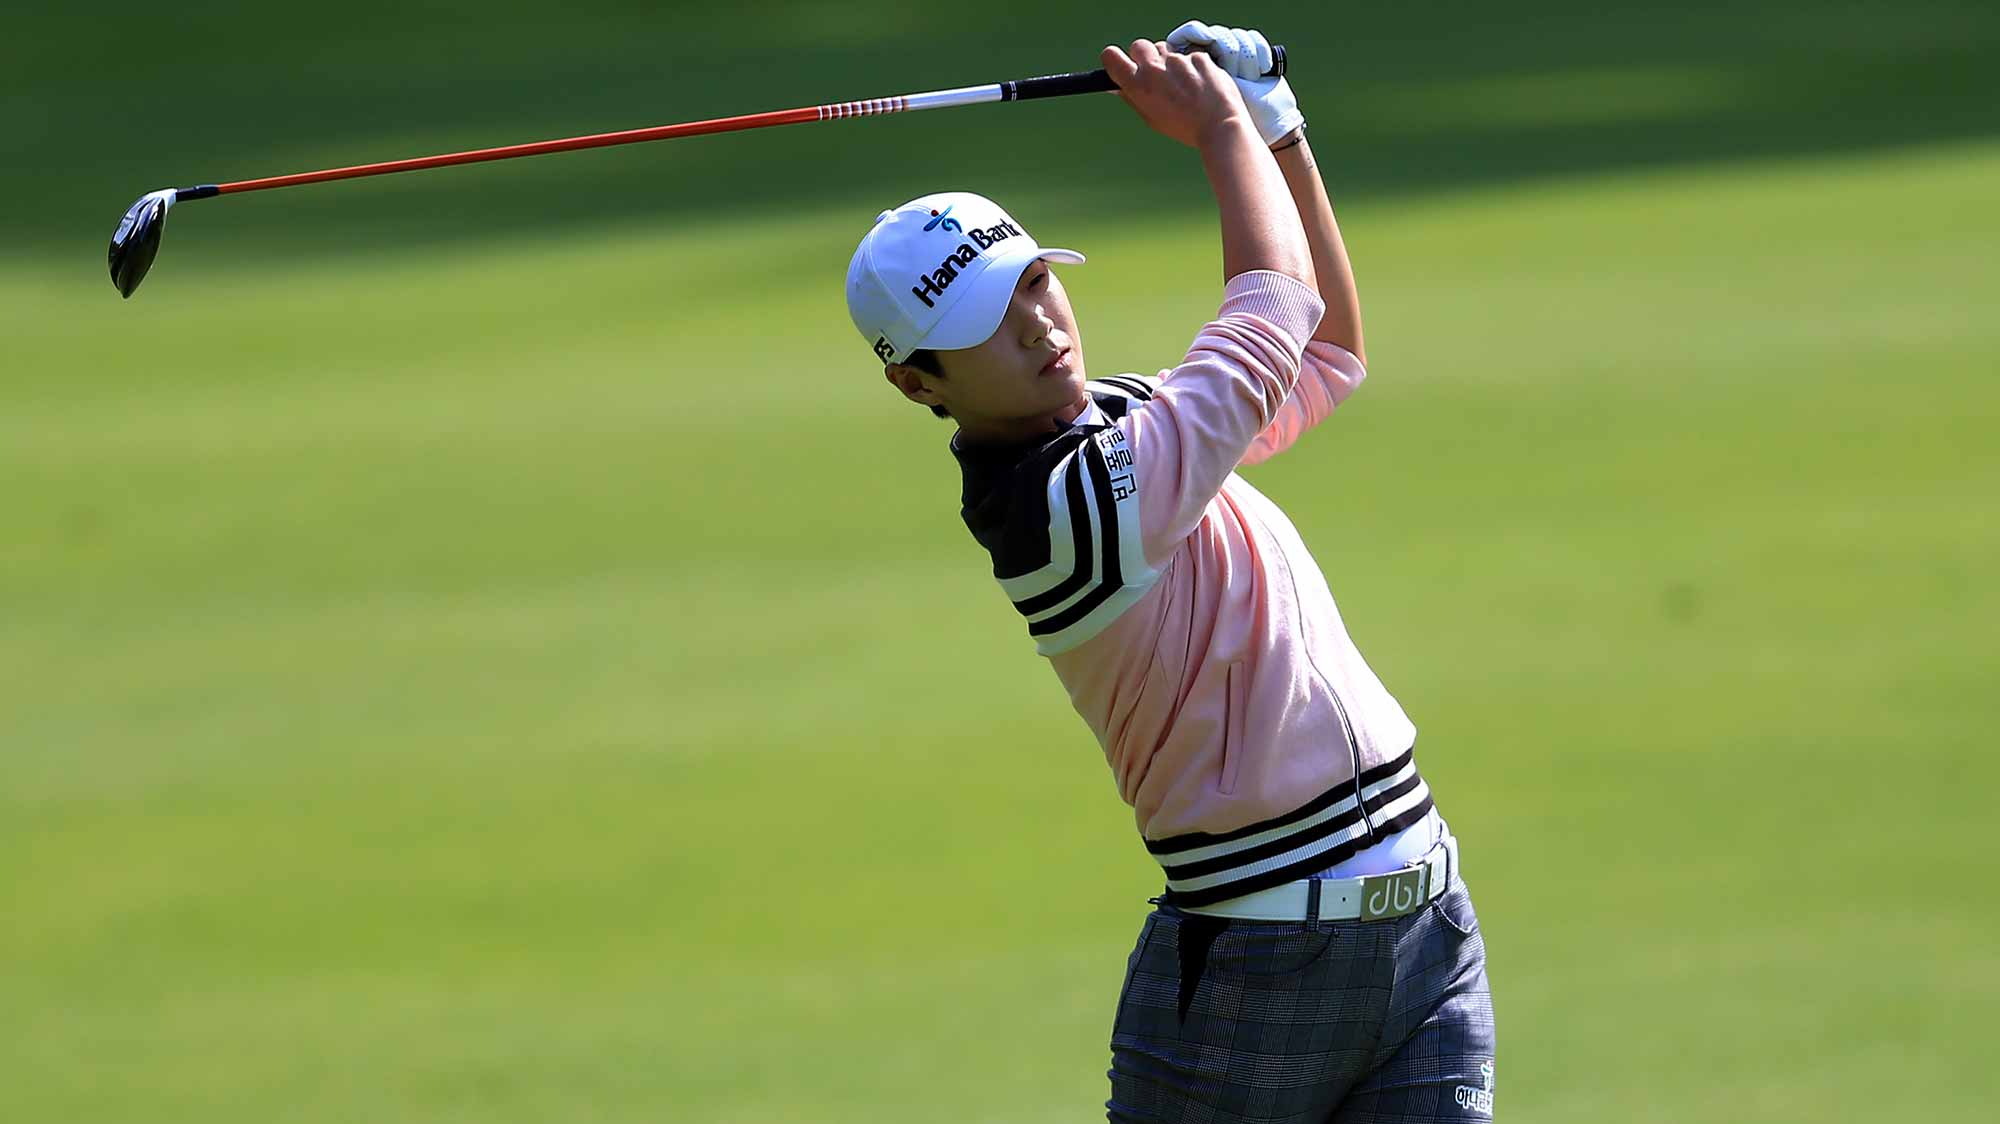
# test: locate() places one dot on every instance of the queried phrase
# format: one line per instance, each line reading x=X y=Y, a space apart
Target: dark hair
x=926 y=360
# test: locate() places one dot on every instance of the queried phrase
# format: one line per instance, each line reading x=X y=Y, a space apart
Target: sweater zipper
x=1354 y=755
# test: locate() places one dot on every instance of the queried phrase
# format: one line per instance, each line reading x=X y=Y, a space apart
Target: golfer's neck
x=1008 y=431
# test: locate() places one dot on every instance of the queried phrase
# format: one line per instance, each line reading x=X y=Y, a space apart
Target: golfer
x=1315 y=955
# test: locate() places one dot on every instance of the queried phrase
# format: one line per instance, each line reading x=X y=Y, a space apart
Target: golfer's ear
x=910 y=383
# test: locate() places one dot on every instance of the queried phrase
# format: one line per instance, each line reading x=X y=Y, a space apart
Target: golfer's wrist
x=1290 y=140
x=1225 y=131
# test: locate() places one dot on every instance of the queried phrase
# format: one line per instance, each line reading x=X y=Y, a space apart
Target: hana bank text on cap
x=938 y=272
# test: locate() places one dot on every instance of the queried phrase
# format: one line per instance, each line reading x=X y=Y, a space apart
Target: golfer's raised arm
x=1190 y=99
x=1334 y=364
x=1241 y=368
x=1335 y=274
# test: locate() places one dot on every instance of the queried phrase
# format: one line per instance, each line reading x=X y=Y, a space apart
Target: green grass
x=484 y=646
x=550 y=682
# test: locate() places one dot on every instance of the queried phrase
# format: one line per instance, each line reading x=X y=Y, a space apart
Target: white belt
x=1372 y=897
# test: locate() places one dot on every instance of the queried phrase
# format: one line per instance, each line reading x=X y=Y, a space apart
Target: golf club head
x=137 y=241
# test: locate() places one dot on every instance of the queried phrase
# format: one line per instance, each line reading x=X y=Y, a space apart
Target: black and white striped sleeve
x=1118 y=395
x=1066 y=549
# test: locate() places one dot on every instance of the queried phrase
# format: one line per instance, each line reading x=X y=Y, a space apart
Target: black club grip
x=1093 y=82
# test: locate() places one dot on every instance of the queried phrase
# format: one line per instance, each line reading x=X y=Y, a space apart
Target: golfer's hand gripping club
x=1190 y=100
x=1183 y=97
x=1245 y=55
x=137 y=240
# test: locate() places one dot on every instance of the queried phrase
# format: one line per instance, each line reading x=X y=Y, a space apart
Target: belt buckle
x=1392 y=895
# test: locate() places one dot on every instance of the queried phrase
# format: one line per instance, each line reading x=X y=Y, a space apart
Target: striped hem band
x=1203 y=869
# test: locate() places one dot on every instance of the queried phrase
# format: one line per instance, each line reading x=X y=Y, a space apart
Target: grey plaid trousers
x=1349 y=1022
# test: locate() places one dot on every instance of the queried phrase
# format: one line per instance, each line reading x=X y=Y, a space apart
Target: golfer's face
x=1033 y=362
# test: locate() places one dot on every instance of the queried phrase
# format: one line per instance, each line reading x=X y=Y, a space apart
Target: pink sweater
x=1205 y=650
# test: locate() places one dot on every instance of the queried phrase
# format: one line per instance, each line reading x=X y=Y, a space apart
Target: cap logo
x=932 y=285
x=943 y=219
x=882 y=349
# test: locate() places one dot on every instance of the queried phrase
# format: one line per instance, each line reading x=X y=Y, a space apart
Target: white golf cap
x=938 y=272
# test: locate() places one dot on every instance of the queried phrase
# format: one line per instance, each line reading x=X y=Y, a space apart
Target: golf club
x=137 y=240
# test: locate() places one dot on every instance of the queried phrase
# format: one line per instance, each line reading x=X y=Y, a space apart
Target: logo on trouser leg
x=1480 y=1099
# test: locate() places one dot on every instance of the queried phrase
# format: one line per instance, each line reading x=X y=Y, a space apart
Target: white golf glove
x=1245 y=55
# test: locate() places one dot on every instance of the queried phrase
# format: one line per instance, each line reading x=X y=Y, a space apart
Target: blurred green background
x=485 y=645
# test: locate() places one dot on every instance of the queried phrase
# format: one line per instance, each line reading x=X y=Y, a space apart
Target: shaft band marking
x=871 y=107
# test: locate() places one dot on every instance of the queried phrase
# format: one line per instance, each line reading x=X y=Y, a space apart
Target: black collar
x=984 y=466
x=989 y=455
